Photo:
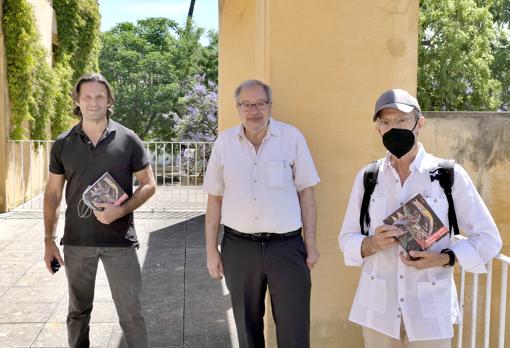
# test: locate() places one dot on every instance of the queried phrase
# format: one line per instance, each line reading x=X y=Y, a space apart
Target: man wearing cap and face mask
x=402 y=301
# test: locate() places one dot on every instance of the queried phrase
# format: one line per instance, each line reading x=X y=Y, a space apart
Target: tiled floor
x=176 y=288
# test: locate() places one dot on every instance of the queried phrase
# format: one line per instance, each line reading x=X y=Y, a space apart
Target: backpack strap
x=445 y=174
x=369 y=181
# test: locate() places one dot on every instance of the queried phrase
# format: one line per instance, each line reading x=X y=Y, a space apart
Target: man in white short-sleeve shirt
x=260 y=180
x=404 y=302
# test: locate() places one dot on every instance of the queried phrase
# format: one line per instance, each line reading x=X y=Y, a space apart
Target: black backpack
x=444 y=173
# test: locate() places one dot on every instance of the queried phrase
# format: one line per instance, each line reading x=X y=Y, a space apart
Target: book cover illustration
x=422 y=226
x=104 y=190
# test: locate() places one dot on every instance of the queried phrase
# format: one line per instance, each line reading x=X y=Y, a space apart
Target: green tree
x=500 y=67
x=151 y=65
x=209 y=59
x=455 y=56
x=500 y=10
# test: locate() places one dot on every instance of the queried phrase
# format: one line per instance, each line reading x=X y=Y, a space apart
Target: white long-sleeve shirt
x=388 y=290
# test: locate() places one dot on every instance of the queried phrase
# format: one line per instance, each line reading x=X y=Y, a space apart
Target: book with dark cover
x=104 y=190
x=422 y=226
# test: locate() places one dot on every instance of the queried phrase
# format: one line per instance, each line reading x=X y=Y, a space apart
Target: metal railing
x=179 y=169
x=27 y=172
x=474 y=342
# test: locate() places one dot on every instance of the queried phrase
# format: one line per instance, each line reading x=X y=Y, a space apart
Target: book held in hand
x=104 y=190
x=422 y=226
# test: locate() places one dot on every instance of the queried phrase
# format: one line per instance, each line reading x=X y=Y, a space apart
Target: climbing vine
x=40 y=93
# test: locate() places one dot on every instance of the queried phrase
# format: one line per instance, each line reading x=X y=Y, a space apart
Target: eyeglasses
x=400 y=122
x=245 y=107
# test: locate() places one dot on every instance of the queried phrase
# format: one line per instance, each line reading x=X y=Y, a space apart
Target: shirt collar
x=273 y=128
x=112 y=126
x=422 y=162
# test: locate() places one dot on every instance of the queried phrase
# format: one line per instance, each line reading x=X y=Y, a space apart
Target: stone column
x=327 y=62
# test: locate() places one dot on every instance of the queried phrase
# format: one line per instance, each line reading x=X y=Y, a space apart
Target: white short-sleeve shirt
x=260 y=189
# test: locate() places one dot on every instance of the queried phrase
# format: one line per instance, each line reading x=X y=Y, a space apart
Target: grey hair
x=253 y=83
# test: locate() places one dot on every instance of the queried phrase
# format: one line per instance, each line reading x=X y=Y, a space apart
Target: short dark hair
x=253 y=83
x=93 y=77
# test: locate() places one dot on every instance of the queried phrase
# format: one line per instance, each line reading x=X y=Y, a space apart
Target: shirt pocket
x=377 y=211
x=276 y=175
x=372 y=292
x=435 y=298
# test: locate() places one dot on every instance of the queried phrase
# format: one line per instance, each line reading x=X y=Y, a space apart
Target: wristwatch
x=451 y=254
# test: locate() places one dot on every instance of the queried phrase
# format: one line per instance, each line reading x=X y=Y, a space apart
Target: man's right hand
x=215 y=264
x=50 y=252
x=384 y=237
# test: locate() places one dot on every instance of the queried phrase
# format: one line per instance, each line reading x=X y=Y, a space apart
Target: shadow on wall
x=182 y=305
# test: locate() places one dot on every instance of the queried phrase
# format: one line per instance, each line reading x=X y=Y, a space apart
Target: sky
x=113 y=12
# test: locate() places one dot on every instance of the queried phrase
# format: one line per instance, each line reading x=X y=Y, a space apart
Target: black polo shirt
x=119 y=152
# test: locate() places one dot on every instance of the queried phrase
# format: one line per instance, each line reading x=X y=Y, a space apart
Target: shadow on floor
x=183 y=306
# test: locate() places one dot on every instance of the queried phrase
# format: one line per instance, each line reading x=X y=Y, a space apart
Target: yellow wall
x=327 y=62
x=13 y=186
x=46 y=23
x=479 y=143
x=4 y=117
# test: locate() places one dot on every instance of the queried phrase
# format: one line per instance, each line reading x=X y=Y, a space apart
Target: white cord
x=84 y=210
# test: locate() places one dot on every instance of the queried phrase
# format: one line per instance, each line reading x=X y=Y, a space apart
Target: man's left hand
x=313 y=256
x=426 y=259
x=109 y=214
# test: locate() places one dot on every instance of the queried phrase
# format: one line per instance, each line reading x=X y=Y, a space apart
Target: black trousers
x=279 y=265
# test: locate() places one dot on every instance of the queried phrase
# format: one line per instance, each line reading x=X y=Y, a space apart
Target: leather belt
x=263 y=236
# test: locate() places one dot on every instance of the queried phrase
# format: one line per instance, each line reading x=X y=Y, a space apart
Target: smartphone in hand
x=55 y=265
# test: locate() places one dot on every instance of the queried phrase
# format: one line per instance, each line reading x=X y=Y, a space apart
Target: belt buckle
x=262 y=236
x=266 y=236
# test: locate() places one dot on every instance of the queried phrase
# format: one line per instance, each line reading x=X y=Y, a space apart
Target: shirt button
x=372 y=277
x=396 y=181
x=401 y=203
x=435 y=200
x=254 y=199
x=256 y=218
x=255 y=180
x=433 y=283
x=255 y=163
x=401 y=276
x=400 y=309
x=398 y=315
x=401 y=300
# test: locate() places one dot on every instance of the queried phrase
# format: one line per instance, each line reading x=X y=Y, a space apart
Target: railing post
x=474 y=307
x=461 y=306
x=502 y=308
x=488 y=291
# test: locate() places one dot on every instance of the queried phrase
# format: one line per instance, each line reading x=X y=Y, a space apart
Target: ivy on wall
x=38 y=92
x=78 y=23
x=20 y=42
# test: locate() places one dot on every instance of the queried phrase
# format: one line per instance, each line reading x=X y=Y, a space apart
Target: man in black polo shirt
x=80 y=156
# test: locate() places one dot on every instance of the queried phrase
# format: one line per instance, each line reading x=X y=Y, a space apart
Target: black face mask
x=399 y=141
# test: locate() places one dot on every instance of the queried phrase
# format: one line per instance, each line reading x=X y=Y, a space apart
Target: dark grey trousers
x=124 y=276
x=279 y=265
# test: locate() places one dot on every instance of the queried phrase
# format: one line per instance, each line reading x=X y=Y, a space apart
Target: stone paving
x=183 y=307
